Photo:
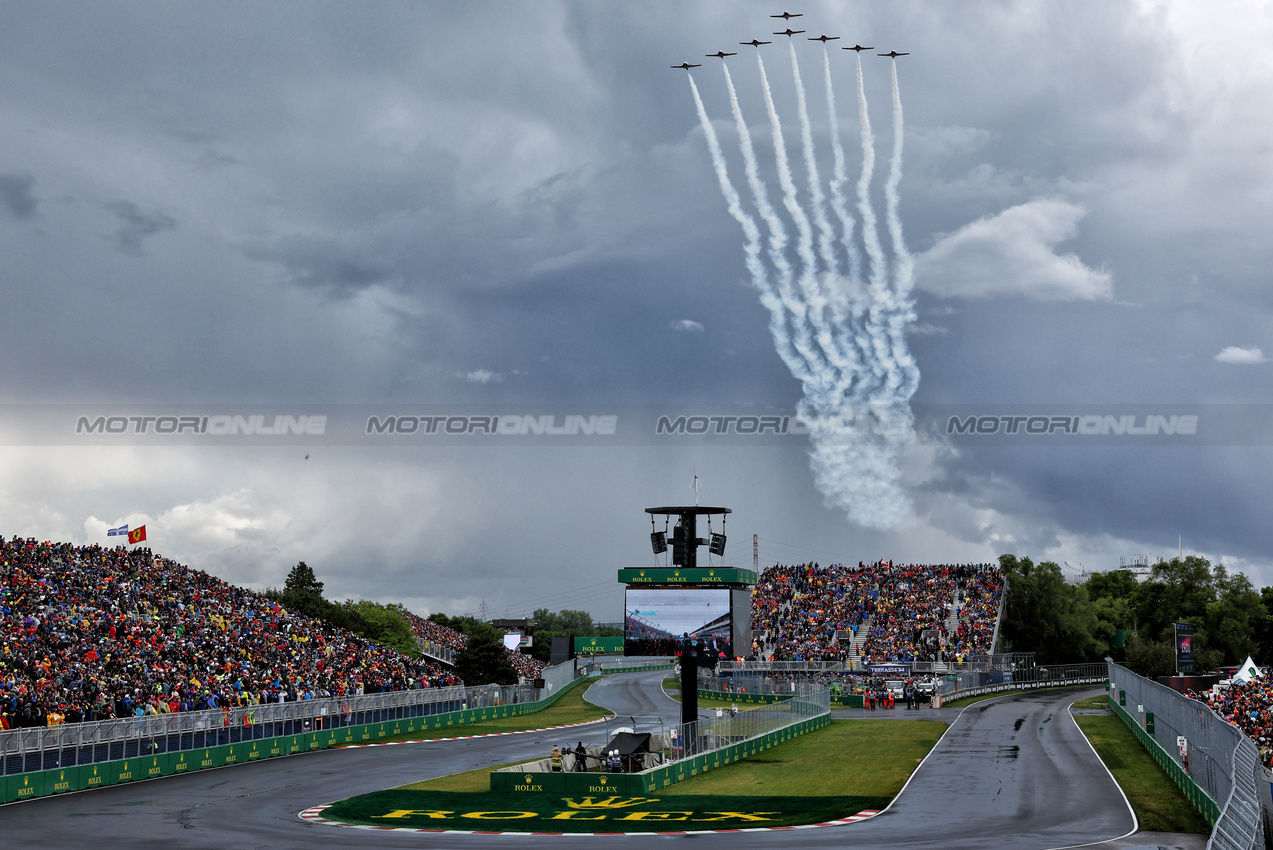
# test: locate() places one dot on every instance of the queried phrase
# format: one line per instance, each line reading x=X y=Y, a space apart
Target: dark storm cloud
x=17 y=195
x=135 y=225
x=392 y=202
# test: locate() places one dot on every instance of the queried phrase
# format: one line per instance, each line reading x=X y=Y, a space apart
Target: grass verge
x=789 y=785
x=570 y=708
x=872 y=758
x=1158 y=803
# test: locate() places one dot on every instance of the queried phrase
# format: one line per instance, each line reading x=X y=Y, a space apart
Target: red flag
x=137 y=535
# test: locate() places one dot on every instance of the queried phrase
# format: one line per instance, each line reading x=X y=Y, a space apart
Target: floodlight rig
x=685 y=543
x=685 y=539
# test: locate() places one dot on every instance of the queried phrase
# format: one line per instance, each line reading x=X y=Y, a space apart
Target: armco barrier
x=29 y=785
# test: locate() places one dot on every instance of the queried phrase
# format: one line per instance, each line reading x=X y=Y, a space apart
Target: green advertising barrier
x=28 y=786
x=1197 y=798
x=95 y=776
x=743 y=698
x=64 y=779
x=128 y=770
x=651 y=780
x=156 y=766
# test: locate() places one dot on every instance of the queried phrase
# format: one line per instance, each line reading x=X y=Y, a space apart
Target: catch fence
x=808 y=701
x=1223 y=762
x=969 y=683
x=66 y=745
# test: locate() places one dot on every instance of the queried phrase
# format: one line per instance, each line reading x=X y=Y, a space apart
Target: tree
x=386 y=625
x=302 y=581
x=1047 y=616
x=1151 y=658
x=485 y=660
x=543 y=647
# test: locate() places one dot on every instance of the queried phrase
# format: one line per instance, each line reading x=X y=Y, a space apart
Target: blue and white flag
x=122 y=531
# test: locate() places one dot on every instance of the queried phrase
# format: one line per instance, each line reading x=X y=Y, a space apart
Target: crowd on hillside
x=443 y=636
x=800 y=611
x=89 y=633
x=1248 y=706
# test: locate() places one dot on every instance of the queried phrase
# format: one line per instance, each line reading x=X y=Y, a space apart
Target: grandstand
x=441 y=644
x=92 y=633
x=876 y=613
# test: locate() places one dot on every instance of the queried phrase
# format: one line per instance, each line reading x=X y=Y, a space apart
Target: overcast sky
x=245 y=205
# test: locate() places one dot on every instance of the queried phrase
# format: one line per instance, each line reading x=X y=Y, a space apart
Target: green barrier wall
x=1198 y=798
x=28 y=786
x=650 y=780
x=837 y=701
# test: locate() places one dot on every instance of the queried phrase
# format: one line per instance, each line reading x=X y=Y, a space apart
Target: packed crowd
x=89 y=633
x=440 y=635
x=1248 y=706
x=800 y=611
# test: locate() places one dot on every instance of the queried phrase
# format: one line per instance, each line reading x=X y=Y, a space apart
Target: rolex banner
x=602 y=812
x=598 y=646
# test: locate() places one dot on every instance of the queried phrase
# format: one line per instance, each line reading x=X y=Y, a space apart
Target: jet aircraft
x=786 y=16
x=755 y=42
x=686 y=66
x=859 y=48
x=720 y=54
x=893 y=54
x=824 y=38
x=789 y=32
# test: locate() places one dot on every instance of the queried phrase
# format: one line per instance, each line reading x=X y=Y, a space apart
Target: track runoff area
x=771 y=784
x=811 y=782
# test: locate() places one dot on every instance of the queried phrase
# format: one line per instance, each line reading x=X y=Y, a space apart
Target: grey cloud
x=136 y=225
x=17 y=196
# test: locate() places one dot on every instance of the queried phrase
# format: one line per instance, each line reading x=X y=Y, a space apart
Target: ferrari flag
x=137 y=535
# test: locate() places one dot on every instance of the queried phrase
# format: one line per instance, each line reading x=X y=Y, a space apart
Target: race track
x=1013 y=772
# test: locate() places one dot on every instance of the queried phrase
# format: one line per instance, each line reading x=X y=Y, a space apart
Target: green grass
x=571 y=707
x=873 y=758
x=672 y=683
x=1093 y=702
x=1158 y=803
x=865 y=758
x=788 y=785
x=471 y=781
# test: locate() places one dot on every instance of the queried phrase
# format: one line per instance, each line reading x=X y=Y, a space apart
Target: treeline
x=381 y=624
x=548 y=625
x=1063 y=622
x=567 y=624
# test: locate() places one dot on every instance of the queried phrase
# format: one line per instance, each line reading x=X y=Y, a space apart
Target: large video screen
x=656 y=619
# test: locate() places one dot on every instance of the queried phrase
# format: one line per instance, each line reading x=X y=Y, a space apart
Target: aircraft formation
x=789 y=32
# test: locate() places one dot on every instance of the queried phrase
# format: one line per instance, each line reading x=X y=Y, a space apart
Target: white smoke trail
x=858 y=375
x=903 y=276
x=844 y=296
x=826 y=236
x=878 y=296
x=842 y=357
x=839 y=204
x=777 y=237
x=751 y=248
x=801 y=321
